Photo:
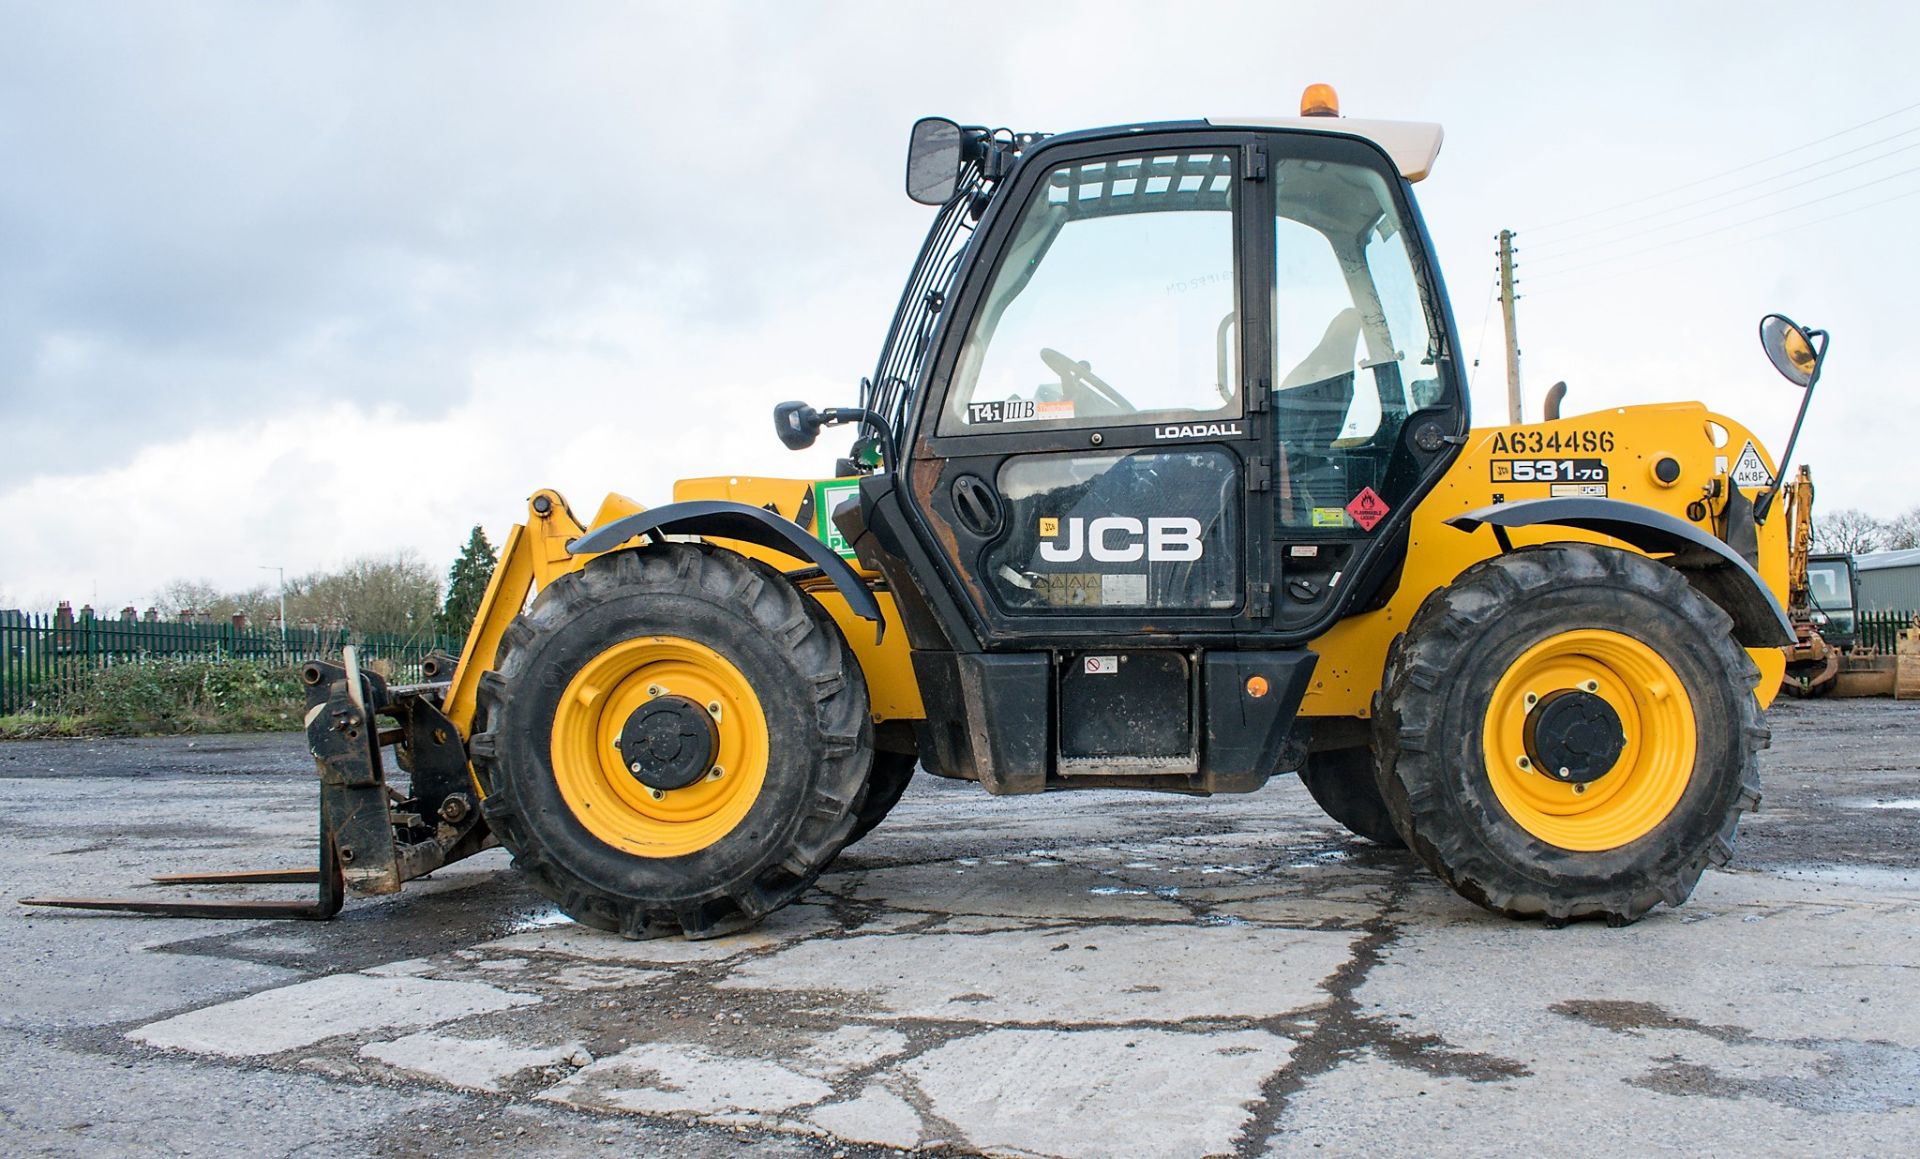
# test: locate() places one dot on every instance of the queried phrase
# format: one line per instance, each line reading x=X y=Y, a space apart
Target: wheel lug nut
x=1525 y=763
x=715 y=773
x=1591 y=686
x=634 y=767
x=713 y=707
x=1566 y=774
x=654 y=690
x=658 y=795
x=1532 y=700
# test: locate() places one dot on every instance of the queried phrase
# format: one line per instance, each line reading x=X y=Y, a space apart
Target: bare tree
x=194 y=596
x=395 y=594
x=259 y=603
x=1849 y=530
x=1903 y=531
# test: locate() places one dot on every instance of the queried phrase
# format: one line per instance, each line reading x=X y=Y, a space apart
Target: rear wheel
x=1570 y=731
x=675 y=739
x=1342 y=782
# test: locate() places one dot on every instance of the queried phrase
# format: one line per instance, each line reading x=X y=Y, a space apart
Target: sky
x=286 y=284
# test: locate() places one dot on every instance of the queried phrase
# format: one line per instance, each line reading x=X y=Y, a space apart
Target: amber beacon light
x=1319 y=101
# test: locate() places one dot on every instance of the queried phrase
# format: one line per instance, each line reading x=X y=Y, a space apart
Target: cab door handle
x=977 y=506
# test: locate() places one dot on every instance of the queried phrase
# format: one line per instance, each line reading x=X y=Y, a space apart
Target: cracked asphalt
x=1072 y=975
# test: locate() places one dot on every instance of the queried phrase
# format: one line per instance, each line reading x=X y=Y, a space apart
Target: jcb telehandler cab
x=1164 y=481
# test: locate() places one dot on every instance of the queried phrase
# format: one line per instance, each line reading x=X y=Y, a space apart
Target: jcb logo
x=1122 y=539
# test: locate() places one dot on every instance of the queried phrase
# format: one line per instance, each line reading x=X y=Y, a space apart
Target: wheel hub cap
x=669 y=743
x=1573 y=736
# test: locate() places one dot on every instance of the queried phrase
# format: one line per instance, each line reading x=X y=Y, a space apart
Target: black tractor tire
x=1343 y=784
x=889 y=779
x=1442 y=676
x=809 y=687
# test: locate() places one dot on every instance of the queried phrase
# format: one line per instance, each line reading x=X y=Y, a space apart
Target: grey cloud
x=216 y=210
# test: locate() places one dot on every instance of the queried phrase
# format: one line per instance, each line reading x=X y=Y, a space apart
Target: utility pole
x=1513 y=336
x=283 y=600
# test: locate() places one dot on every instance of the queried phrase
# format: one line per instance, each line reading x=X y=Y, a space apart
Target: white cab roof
x=1412 y=144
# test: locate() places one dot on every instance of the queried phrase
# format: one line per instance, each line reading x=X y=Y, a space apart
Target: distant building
x=1889 y=580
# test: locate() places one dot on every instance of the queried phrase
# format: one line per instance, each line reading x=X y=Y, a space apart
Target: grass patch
x=165 y=697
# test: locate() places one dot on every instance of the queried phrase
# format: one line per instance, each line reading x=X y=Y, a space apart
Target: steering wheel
x=1080 y=375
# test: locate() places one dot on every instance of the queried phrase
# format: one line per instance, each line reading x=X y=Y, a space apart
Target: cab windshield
x=1118 y=302
x=1115 y=300
x=1829 y=592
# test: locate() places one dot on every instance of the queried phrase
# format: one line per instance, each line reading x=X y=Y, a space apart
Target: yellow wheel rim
x=594 y=779
x=1652 y=772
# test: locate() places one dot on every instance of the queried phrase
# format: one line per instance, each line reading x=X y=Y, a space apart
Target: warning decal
x=1749 y=471
x=1367 y=509
x=1103 y=665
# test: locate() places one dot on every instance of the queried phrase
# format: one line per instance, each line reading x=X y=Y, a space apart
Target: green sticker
x=1329 y=517
x=827 y=495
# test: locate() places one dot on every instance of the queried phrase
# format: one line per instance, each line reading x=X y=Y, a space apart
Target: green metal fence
x=1880 y=630
x=39 y=654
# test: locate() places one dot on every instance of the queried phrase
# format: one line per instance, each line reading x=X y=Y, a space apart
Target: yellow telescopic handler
x=1164 y=480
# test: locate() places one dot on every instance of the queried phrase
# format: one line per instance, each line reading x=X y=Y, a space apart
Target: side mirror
x=1791 y=349
x=797 y=424
x=933 y=161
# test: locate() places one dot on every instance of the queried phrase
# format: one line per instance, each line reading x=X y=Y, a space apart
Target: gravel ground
x=1094 y=974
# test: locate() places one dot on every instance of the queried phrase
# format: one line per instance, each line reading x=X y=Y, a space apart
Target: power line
x=1731 y=192
x=1734 y=225
x=1492 y=289
x=1734 y=244
x=1725 y=173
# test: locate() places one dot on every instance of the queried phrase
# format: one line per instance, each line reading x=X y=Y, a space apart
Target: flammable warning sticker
x=1367 y=508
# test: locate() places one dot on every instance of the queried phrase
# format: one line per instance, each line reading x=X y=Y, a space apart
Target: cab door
x=1366 y=408
x=1085 y=450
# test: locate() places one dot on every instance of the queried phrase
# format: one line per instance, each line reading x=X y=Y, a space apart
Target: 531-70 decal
x=1549 y=470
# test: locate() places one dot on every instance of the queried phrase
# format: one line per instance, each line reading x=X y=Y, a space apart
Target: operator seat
x=1317 y=393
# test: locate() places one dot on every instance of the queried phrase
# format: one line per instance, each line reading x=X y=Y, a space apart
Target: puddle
x=544 y=919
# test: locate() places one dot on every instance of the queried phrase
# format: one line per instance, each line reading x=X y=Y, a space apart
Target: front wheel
x=675 y=738
x=1570 y=731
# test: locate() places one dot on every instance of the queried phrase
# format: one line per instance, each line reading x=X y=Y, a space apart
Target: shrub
x=175 y=695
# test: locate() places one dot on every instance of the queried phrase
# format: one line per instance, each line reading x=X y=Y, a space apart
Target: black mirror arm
x=798 y=425
x=836 y=415
x=1765 y=503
